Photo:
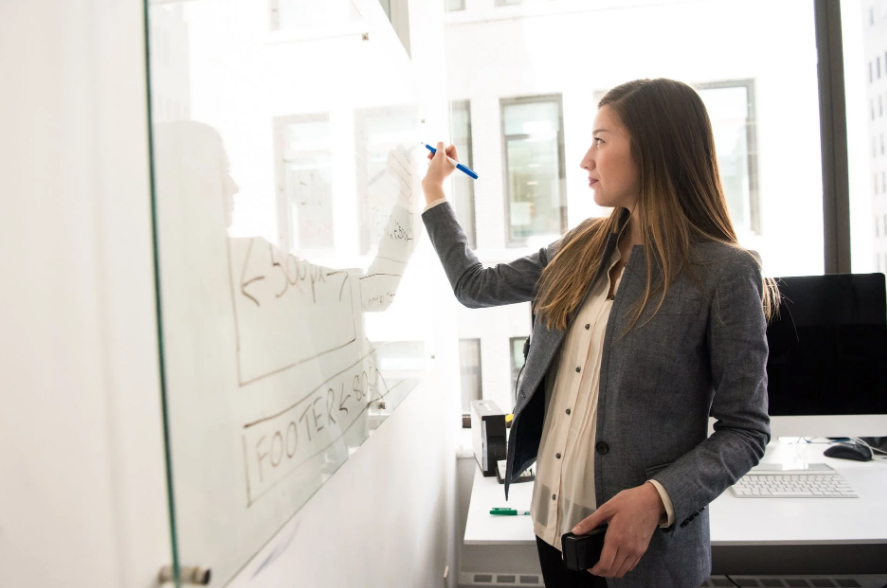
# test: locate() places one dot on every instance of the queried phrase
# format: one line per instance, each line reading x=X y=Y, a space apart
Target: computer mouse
x=848 y=451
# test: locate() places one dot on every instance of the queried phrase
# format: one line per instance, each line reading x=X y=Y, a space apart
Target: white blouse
x=563 y=494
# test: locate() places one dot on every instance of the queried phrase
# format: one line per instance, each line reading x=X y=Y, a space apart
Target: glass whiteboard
x=285 y=154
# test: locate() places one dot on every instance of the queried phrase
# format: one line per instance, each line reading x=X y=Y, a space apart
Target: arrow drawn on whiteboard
x=342 y=400
x=244 y=282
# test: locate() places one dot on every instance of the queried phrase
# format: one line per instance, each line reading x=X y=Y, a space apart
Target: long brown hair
x=680 y=200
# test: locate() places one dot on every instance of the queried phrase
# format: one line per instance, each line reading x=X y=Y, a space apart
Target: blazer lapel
x=545 y=343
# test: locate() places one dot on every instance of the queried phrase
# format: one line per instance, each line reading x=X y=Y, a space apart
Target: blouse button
x=568 y=411
x=578 y=370
x=554 y=496
x=557 y=455
x=587 y=327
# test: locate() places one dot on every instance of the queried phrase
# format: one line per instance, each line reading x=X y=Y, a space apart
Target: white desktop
x=749 y=536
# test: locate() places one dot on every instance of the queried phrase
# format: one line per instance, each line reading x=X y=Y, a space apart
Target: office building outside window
x=463 y=186
x=454 y=5
x=731 y=108
x=763 y=98
x=533 y=152
x=864 y=25
x=470 y=369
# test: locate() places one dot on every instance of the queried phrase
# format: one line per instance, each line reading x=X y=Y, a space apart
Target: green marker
x=508 y=512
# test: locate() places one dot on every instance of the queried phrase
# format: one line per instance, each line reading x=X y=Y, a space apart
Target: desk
x=749 y=535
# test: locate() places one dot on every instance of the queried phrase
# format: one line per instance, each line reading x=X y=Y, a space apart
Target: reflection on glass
x=463 y=186
x=533 y=130
x=470 y=367
x=268 y=191
x=305 y=182
x=378 y=133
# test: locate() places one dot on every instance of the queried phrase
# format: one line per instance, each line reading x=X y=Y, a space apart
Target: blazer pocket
x=652 y=471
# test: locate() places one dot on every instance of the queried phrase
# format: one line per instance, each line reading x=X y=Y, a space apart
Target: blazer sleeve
x=737 y=346
x=474 y=285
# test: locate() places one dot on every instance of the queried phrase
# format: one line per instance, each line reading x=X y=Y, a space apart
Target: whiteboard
x=286 y=183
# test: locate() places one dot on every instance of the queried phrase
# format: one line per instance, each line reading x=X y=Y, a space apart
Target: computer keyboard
x=772 y=481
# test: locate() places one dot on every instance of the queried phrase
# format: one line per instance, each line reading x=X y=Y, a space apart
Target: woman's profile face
x=612 y=174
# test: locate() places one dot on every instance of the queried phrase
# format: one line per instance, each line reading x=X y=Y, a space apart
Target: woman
x=646 y=323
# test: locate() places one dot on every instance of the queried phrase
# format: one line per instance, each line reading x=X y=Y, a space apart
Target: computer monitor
x=827 y=369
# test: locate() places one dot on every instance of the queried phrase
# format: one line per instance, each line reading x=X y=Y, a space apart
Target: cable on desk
x=871 y=449
x=732 y=581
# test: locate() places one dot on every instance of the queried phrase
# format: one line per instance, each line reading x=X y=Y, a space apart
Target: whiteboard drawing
x=271 y=381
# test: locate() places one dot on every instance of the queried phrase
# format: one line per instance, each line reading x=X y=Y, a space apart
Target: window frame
x=833 y=137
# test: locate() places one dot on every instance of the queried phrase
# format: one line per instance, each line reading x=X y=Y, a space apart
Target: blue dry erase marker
x=464 y=168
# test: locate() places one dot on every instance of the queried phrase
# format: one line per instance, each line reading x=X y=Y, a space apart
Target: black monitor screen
x=828 y=348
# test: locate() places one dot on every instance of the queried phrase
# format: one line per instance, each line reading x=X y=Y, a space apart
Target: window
x=532 y=131
x=454 y=5
x=731 y=108
x=463 y=186
x=878 y=67
x=470 y=368
x=304 y=181
x=516 y=345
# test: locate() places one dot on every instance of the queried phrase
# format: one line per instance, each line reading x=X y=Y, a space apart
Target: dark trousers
x=555 y=575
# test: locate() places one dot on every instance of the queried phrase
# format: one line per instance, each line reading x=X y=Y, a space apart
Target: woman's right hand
x=438 y=170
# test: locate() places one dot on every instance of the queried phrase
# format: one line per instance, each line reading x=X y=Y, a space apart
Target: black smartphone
x=581 y=552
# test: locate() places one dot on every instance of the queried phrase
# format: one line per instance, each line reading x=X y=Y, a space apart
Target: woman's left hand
x=633 y=516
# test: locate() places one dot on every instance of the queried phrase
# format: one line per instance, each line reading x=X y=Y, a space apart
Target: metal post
x=833 y=132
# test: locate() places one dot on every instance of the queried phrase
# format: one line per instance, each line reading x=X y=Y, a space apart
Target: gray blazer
x=705 y=352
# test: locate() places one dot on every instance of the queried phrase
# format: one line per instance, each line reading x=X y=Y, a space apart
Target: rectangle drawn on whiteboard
x=277 y=445
x=287 y=310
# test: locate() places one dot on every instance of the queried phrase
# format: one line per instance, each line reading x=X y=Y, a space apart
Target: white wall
x=82 y=488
